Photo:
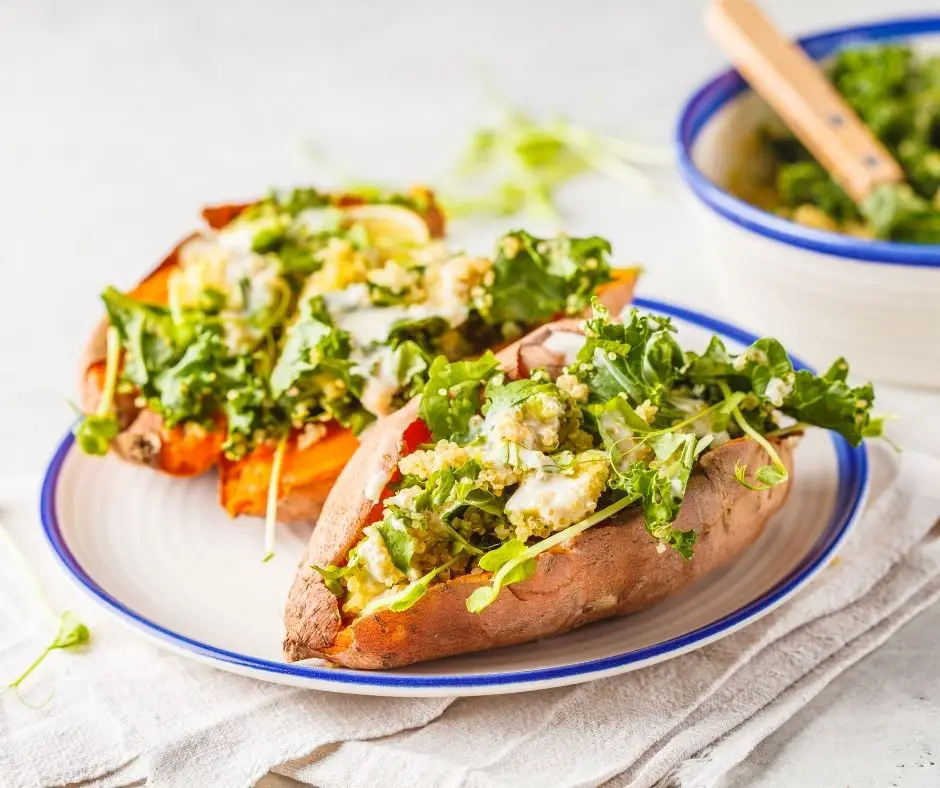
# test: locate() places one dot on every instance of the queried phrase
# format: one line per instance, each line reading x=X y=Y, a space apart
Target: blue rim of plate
x=852 y=464
x=715 y=95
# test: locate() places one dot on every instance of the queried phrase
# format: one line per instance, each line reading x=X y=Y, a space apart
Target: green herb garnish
x=95 y=431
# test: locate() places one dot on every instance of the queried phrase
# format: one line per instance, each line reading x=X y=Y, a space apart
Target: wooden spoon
x=797 y=89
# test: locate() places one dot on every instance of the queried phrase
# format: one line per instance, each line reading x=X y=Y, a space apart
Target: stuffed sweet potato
x=131 y=426
x=568 y=479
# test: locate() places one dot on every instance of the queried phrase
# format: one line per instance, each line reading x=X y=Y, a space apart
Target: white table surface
x=118 y=120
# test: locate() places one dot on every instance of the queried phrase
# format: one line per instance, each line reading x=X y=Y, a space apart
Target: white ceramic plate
x=161 y=555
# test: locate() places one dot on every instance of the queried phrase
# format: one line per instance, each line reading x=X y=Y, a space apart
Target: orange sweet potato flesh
x=623 y=278
x=307 y=474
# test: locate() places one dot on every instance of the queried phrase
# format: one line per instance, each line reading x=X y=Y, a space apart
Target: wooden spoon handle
x=807 y=102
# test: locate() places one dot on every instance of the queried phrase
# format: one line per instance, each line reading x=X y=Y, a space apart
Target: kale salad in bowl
x=896 y=93
x=789 y=251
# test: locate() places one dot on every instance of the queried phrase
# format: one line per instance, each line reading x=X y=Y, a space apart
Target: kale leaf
x=451 y=397
x=151 y=339
x=829 y=402
x=897 y=95
x=765 y=370
x=400 y=544
x=314 y=375
x=639 y=357
x=537 y=279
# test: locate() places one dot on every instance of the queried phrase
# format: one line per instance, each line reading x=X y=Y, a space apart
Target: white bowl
x=822 y=294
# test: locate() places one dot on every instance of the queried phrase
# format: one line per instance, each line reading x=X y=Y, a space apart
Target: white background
x=119 y=120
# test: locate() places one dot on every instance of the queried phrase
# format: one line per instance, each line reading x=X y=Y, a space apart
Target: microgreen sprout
x=410 y=594
x=529 y=160
x=270 y=520
x=95 y=431
x=767 y=475
x=507 y=563
x=71 y=632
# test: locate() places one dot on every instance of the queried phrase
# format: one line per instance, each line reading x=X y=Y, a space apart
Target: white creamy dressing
x=372 y=324
x=338 y=301
x=777 y=389
x=553 y=495
x=317 y=220
x=617 y=429
x=495 y=449
x=238 y=236
x=375 y=484
x=382 y=382
x=224 y=262
x=565 y=343
x=262 y=277
x=404 y=498
x=531 y=431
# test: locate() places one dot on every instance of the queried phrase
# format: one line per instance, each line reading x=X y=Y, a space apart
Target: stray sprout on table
x=521 y=162
x=71 y=631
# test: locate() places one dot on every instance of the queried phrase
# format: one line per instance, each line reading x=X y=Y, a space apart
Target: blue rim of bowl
x=719 y=91
x=852 y=464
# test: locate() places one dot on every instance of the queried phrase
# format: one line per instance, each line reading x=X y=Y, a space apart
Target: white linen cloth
x=124 y=711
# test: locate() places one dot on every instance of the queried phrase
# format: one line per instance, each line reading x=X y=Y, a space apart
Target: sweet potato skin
x=612 y=569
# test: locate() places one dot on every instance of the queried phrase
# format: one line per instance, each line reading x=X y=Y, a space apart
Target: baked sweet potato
x=311 y=470
x=191 y=450
x=612 y=569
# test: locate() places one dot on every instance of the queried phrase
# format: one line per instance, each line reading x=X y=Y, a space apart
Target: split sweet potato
x=612 y=569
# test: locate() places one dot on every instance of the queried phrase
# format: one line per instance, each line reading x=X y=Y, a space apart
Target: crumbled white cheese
x=375 y=557
x=382 y=382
